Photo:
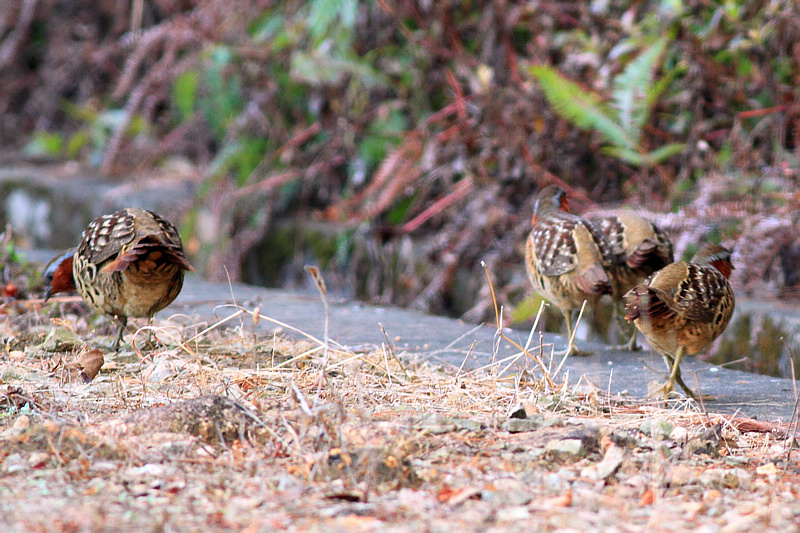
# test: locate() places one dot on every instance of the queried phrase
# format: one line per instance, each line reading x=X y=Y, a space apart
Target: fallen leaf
x=90 y=362
x=84 y=367
x=647 y=498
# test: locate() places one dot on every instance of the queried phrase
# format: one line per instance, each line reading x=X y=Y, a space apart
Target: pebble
x=22 y=422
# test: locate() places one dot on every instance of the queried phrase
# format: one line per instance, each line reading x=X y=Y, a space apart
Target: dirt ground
x=211 y=427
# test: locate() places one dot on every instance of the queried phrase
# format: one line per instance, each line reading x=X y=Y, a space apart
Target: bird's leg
x=149 y=340
x=622 y=325
x=687 y=390
x=663 y=390
x=631 y=345
x=123 y=322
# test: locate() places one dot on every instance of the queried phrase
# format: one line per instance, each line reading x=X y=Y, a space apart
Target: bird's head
x=551 y=198
x=717 y=256
x=58 y=275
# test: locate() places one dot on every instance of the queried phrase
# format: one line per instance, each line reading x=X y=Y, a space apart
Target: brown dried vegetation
x=221 y=428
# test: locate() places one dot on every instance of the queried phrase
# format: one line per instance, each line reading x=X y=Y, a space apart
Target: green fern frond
x=631 y=88
x=584 y=109
x=638 y=159
x=657 y=89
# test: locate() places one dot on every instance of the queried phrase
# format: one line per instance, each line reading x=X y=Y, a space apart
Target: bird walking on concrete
x=682 y=308
x=639 y=248
x=128 y=264
x=567 y=257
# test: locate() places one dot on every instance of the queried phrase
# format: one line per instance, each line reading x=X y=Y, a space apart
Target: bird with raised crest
x=567 y=257
x=682 y=308
x=639 y=248
x=128 y=264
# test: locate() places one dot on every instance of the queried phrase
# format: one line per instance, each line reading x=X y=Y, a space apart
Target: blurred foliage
x=388 y=120
x=635 y=92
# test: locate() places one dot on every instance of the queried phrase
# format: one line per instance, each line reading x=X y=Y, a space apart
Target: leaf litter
x=219 y=427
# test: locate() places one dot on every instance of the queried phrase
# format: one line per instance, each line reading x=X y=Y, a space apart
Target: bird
x=567 y=257
x=639 y=248
x=130 y=263
x=682 y=308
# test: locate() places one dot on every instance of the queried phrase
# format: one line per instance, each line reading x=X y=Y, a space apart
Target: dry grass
x=321 y=436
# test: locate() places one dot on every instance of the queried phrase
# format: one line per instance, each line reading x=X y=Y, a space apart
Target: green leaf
x=638 y=159
x=399 y=211
x=45 y=143
x=582 y=108
x=266 y=28
x=658 y=88
x=77 y=143
x=324 y=13
x=250 y=155
x=325 y=69
x=184 y=93
x=630 y=89
x=665 y=152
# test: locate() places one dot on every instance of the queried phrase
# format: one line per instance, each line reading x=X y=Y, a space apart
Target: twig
x=464 y=362
x=794 y=420
x=323 y=293
x=571 y=340
x=391 y=351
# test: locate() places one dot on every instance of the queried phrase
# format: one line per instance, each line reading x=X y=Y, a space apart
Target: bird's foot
x=666 y=391
x=661 y=390
x=627 y=347
x=572 y=351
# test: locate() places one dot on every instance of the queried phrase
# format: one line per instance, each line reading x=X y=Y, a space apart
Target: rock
x=608 y=466
x=518 y=425
x=657 y=429
x=436 y=423
x=679 y=434
x=571 y=449
x=512 y=514
x=518 y=412
x=15 y=463
x=681 y=475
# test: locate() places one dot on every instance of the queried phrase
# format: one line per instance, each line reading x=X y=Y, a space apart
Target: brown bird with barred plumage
x=128 y=264
x=639 y=248
x=682 y=308
x=567 y=256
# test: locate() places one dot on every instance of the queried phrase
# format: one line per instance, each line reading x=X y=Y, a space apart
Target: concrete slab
x=449 y=340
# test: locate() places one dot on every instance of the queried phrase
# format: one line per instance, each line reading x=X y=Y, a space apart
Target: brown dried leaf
x=91 y=362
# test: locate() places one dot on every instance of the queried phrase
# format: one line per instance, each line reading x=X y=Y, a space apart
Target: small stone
x=608 y=466
x=14 y=463
x=138 y=489
x=467 y=424
x=566 y=448
x=38 y=459
x=766 y=469
x=660 y=429
x=519 y=425
x=681 y=475
x=150 y=469
x=518 y=412
x=22 y=422
x=436 y=424
x=512 y=514
x=679 y=434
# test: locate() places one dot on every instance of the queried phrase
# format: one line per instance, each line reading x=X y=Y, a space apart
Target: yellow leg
x=675 y=377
